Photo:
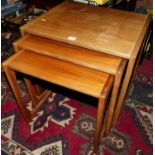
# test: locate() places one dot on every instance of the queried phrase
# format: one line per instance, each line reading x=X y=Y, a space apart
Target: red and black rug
x=65 y=126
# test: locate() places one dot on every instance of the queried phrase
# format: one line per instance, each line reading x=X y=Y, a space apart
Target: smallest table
x=84 y=80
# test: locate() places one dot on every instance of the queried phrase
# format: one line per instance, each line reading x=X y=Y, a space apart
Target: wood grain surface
x=81 y=56
x=75 y=77
x=103 y=29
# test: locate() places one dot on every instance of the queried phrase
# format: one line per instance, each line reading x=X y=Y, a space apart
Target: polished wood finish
x=38 y=96
x=39 y=91
x=11 y=76
x=100 y=112
x=110 y=31
x=130 y=70
x=42 y=98
x=106 y=30
x=89 y=29
x=32 y=94
x=81 y=56
x=71 y=76
x=113 y=101
x=88 y=81
x=27 y=114
x=37 y=100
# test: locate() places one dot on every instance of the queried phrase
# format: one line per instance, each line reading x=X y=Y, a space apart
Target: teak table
x=107 y=31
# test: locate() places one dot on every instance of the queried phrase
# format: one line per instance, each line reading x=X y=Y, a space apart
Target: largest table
x=106 y=30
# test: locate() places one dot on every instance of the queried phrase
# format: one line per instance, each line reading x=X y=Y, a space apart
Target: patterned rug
x=65 y=126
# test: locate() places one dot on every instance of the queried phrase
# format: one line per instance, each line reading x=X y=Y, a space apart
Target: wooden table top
x=73 y=54
x=103 y=29
x=68 y=75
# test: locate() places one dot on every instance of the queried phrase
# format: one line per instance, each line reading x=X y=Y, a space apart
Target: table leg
x=137 y=62
x=100 y=113
x=133 y=61
x=39 y=89
x=11 y=76
x=115 y=91
x=123 y=91
x=31 y=92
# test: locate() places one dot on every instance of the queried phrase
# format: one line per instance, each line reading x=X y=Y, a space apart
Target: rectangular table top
x=62 y=73
x=73 y=54
x=103 y=29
